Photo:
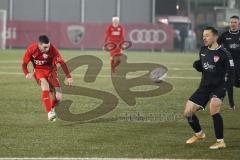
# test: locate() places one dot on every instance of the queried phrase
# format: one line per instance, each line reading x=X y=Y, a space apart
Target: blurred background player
x=215 y=62
x=45 y=57
x=231 y=41
x=115 y=33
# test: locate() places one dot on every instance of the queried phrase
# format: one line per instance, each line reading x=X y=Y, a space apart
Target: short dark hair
x=235 y=17
x=43 y=39
x=213 y=30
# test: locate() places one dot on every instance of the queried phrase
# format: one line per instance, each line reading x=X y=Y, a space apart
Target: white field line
x=105 y=68
x=57 y=158
x=103 y=76
x=163 y=63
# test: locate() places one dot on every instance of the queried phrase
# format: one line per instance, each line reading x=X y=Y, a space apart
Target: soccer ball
x=158 y=74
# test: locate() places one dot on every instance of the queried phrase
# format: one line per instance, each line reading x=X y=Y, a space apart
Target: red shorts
x=116 y=52
x=50 y=76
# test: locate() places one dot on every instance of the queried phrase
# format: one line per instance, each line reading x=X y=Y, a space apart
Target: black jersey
x=231 y=41
x=216 y=65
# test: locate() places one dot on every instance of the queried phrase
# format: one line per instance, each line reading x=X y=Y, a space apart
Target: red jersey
x=45 y=61
x=115 y=34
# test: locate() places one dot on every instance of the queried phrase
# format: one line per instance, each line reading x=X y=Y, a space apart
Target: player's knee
x=215 y=105
x=189 y=109
x=214 y=110
x=58 y=96
x=58 y=93
x=44 y=84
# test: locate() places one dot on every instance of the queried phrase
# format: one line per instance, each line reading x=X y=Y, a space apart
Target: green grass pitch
x=25 y=131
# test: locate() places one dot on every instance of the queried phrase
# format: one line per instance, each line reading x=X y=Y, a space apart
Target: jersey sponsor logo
x=115 y=33
x=39 y=62
x=151 y=36
x=216 y=58
x=228 y=38
x=75 y=33
x=45 y=56
x=203 y=55
x=234 y=45
x=208 y=66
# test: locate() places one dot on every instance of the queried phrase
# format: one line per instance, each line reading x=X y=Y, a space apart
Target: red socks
x=112 y=66
x=54 y=102
x=46 y=100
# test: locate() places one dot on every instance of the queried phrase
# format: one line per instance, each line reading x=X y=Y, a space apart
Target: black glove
x=197 y=65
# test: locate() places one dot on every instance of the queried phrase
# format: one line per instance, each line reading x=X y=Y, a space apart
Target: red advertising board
x=87 y=35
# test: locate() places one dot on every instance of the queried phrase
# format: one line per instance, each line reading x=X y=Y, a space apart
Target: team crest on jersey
x=45 y=56
x=216 y=58
x=75 y=33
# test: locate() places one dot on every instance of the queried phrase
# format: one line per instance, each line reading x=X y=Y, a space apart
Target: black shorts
x=203 y=94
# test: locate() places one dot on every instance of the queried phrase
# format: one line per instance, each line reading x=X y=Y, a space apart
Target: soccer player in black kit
x=214 y=63
x=231 y=41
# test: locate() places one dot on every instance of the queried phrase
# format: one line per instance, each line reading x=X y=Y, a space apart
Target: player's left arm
x=122 y=34
x=229 y=66
x=59 y=60
x=106 y=37
x=122 y=37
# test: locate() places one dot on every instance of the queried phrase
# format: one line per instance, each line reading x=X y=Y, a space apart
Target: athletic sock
x=112 y=66
x=117 y=63
x=218 y=125
x=46 y=100
x=54 y=102
x=194 y=123
x=220 y=140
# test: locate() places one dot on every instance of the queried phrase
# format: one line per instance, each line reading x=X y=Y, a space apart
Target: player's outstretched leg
x=189 y=113
x=47 y=102
x=217 y=122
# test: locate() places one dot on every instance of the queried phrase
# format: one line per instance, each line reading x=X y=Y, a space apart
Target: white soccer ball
x=158 y=74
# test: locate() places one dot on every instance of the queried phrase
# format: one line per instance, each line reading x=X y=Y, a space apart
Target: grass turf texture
x=25 y=131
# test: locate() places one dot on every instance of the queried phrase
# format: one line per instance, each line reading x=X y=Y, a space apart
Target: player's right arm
x=229 y=66
x=25 y=61
x=106 y=37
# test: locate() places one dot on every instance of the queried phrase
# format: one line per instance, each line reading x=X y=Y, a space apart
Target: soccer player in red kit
x=45 y=58
x=115 y=33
